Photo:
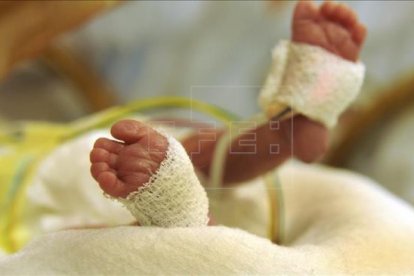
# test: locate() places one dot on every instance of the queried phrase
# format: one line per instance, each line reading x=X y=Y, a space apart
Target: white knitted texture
x=311 y=81
x=173 y=196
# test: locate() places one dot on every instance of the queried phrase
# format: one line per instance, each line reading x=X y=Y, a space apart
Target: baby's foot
x=332 y=26
x=122 y=167
x=151 y=175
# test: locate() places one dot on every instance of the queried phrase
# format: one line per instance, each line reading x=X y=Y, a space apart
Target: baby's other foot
x=122 y=167
x=332 y=26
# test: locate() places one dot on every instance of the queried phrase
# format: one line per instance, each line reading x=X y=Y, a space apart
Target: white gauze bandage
x=312 y=81
x=173 y=196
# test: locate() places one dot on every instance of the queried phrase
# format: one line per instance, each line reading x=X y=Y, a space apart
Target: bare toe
x=98 y=168
x=359 y=33
x=102 y=155
x=336 y=13
x=305 y=10
x=346 y=16
x=327 y=9
x=130 y=131
x=108 y=145
x=340 y=14
x=112 y=185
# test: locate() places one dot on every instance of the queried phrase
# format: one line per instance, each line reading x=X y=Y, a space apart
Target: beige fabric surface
x=336 y=222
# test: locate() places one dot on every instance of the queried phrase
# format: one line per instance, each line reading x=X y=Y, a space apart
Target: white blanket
x=336 y=222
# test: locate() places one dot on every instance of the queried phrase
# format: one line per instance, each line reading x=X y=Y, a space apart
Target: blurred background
x=60 y=61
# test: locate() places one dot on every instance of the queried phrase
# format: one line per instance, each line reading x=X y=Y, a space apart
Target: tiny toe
x=109 y=145
x=130 y=131
x=328 y=8
x=359 y=33
x=349 y=17
x=341 y=14
x=102 y=155
x=111 y=185
x=305 y=10
x=98 y=168
x=349 y=50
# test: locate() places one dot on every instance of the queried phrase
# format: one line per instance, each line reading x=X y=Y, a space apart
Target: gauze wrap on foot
x=173 y=196
x=312 y=81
